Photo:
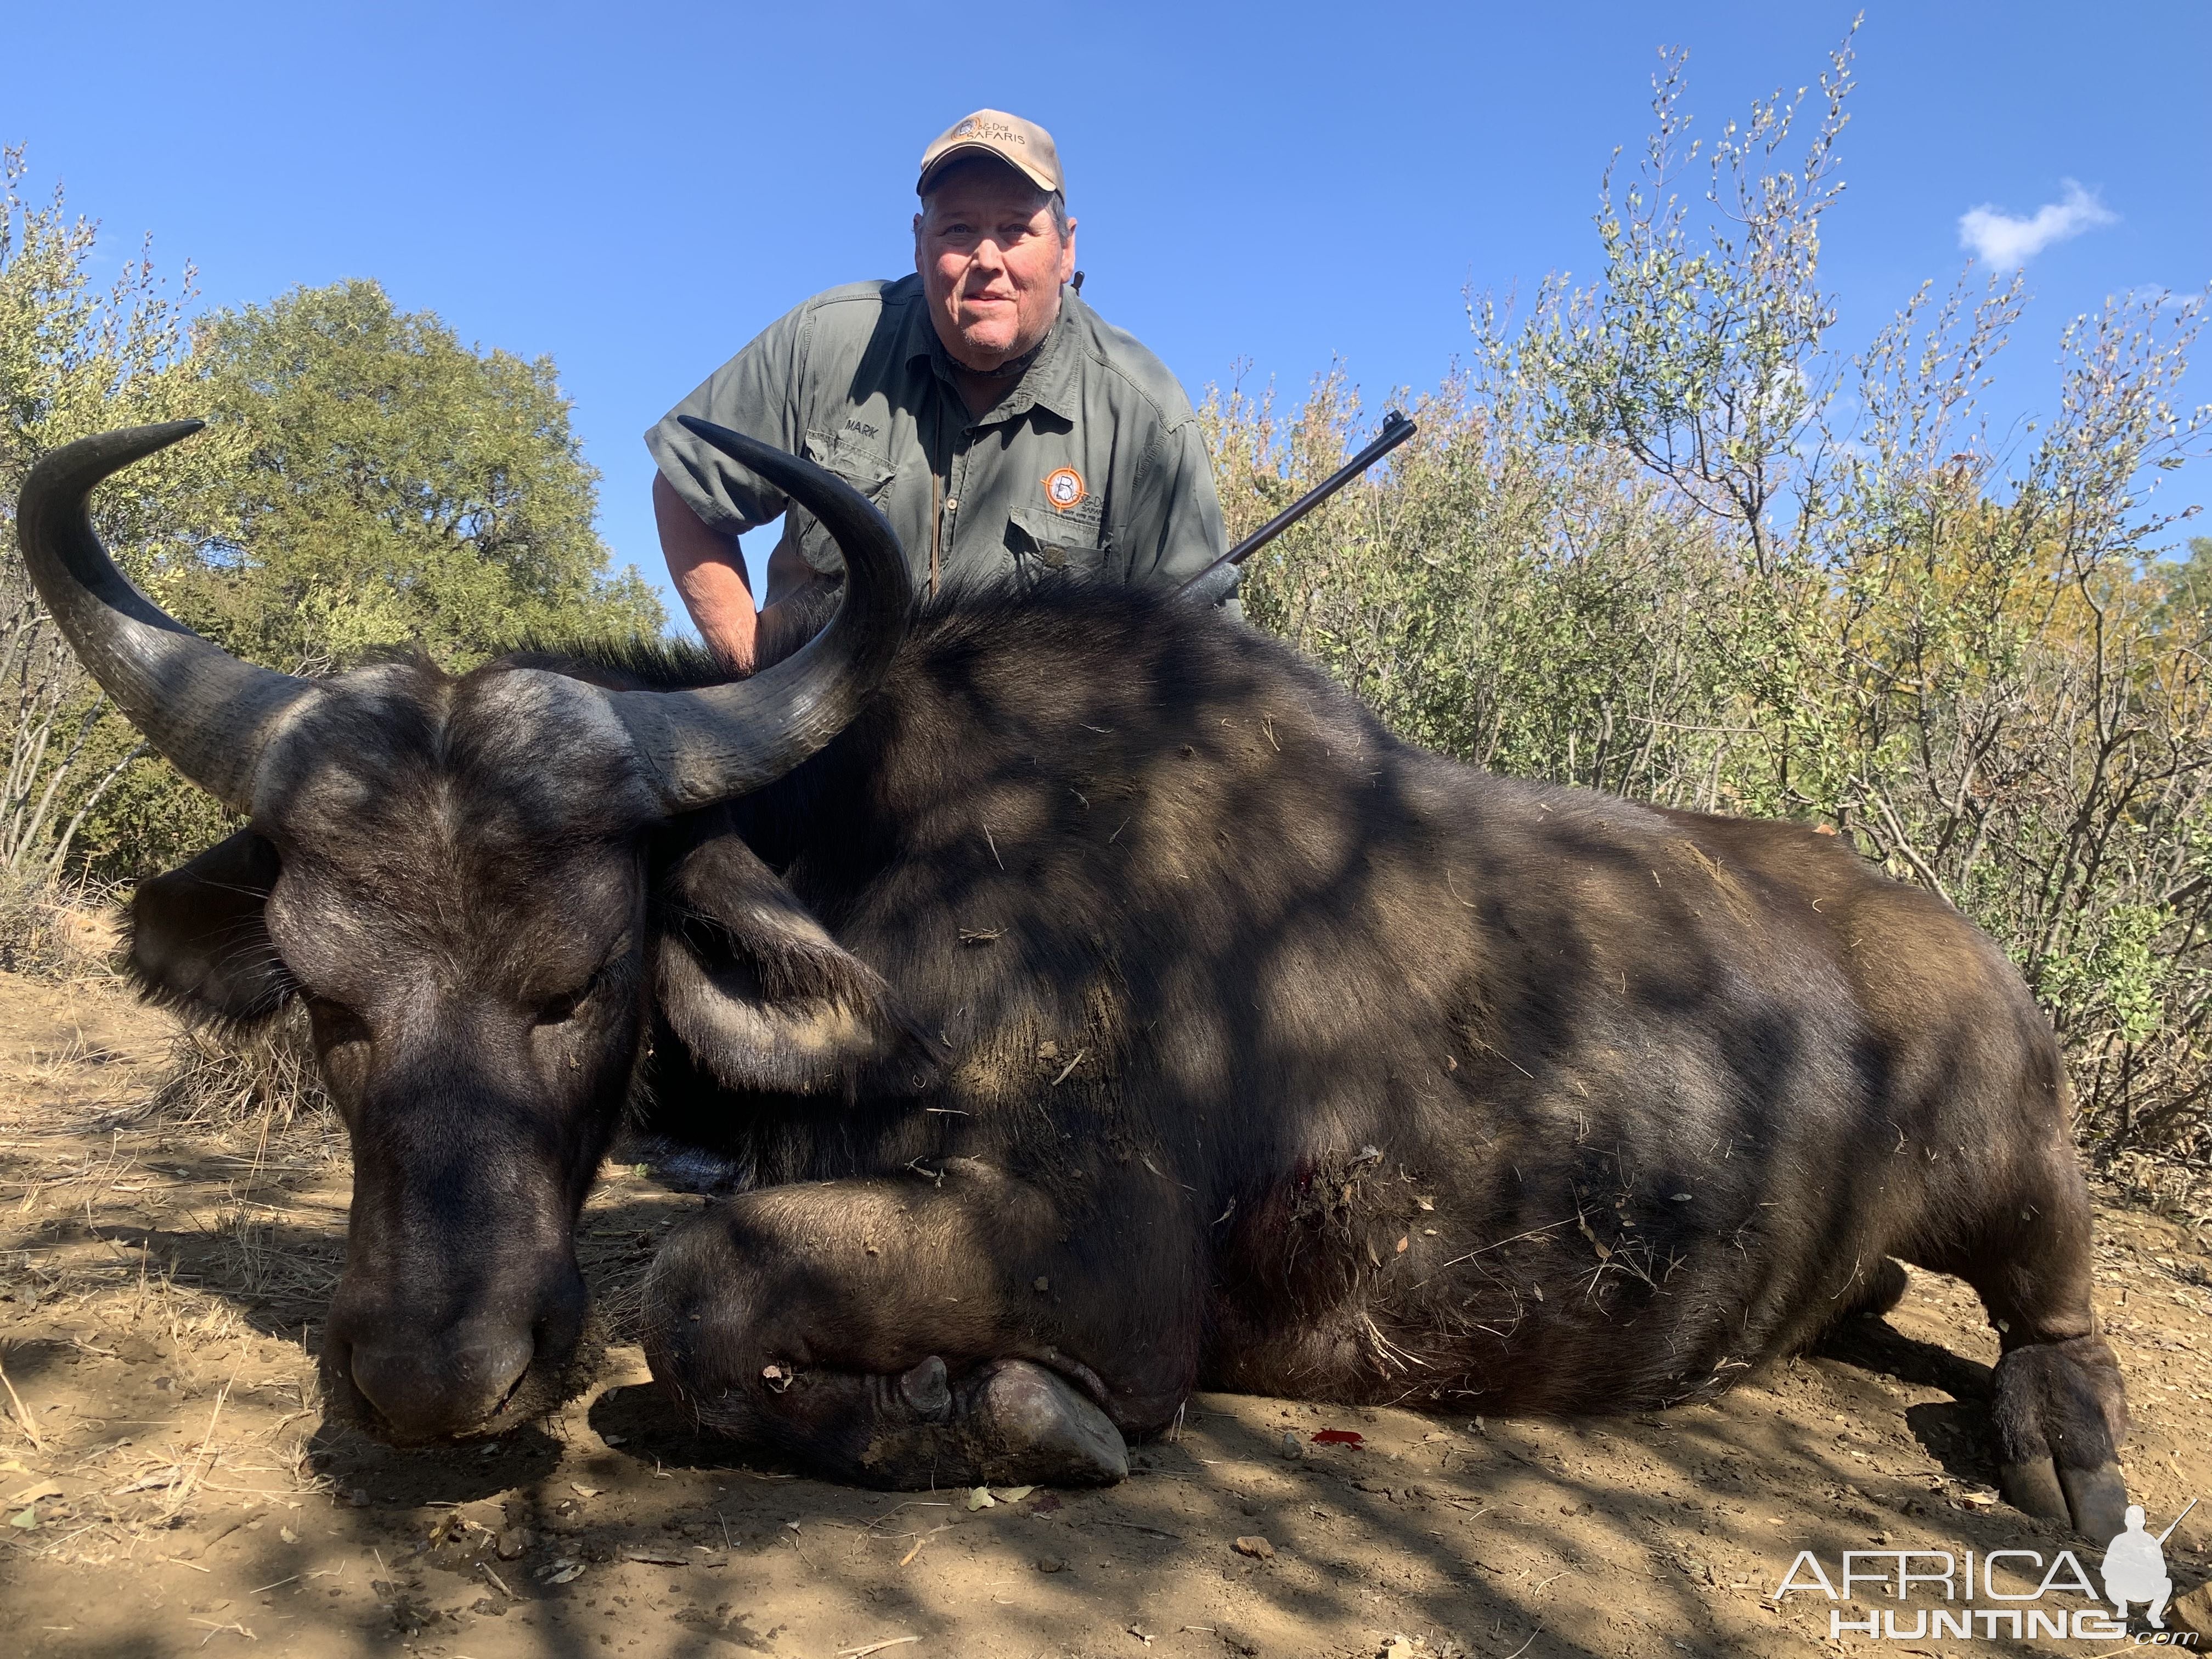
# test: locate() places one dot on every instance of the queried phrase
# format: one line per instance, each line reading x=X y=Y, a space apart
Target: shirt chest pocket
x=865 y=471
x=1046 y=543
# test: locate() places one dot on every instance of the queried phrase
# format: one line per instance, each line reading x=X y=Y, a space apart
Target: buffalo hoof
x=2094 y=1502
x=2032 y=1488
x=1012 y=1423
x=2098 y=1500
x=1030 y=1424
x=928 y=1389
x=2060 y=1413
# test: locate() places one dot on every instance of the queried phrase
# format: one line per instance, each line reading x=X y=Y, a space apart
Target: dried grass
x=224 y=1079
x=51 y=931
x=2179 y=1188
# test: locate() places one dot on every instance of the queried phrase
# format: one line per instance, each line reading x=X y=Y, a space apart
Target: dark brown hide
x=1112 y=1008
x=1291 y=1059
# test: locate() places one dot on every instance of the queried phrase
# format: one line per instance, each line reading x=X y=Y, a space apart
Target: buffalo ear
x=198 y=937
x=761 y=994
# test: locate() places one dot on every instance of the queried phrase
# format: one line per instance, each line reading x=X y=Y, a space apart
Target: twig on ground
x=1131 y=1526
x=22 y=1416
x=924 y=1538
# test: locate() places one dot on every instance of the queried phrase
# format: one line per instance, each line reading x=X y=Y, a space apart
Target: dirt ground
x=170 y=1487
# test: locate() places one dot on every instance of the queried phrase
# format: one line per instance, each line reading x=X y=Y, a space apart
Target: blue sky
x=1268 y=187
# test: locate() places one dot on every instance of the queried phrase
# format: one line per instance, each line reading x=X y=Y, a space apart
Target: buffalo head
x=482 y=889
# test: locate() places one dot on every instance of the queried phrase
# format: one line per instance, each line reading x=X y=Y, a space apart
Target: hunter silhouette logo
x=2134 y=1567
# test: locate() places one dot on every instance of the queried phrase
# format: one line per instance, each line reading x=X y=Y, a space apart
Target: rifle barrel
x=1397 y=428
x=2178 y=1520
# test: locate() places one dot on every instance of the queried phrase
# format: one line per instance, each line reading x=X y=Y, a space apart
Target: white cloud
x=2003 y=240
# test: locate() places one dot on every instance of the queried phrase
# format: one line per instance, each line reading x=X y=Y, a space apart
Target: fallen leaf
x=288 y=1534
x=583 y=1491
x=35 y=1491
x=28 y=1520
x=1012 y=1494
x=1339 y=1437
x=657 y=1557
x=981 y=1499
x=560 y=1572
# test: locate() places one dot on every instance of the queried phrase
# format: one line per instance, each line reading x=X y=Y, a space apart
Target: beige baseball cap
x=1023 y=145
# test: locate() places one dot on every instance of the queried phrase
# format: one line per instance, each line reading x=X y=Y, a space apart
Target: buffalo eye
x=559 y=1011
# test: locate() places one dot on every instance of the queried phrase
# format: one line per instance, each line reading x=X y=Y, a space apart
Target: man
x=1006 y=432
x=2134 y=1570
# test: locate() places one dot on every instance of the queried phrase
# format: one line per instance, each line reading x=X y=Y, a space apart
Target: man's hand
x=709 y=574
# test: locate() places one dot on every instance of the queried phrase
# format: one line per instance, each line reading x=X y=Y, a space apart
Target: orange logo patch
x=1063 y=487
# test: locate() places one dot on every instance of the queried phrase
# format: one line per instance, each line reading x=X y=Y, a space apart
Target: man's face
x=992 y=263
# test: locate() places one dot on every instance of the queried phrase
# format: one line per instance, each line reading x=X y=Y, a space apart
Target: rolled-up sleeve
x=1175 y=531
x=756 y=392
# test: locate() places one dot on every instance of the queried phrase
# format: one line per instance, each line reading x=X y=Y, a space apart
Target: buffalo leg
x=2059 y=1407
x=905 y=1332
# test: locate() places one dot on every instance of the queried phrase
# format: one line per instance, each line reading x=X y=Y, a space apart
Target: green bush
x=366 y=482
x=1660 y=539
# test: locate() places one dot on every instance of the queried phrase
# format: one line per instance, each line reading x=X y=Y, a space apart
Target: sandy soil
x=170 y=1488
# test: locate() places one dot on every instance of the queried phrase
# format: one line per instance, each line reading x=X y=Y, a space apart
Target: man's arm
x=1175 y=531
x=702 y=500
x=709 y=574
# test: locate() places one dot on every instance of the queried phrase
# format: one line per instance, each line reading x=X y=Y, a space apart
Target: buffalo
x=1075 y=1000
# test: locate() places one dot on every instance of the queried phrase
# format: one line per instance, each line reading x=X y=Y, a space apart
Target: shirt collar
x=1048 y=383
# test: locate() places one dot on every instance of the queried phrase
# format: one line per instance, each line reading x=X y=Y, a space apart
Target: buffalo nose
x=428 y=1392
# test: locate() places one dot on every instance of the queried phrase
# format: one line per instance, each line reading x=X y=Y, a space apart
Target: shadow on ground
x=613 y=1530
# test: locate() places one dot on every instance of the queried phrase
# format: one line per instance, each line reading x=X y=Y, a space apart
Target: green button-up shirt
x=1093 y=464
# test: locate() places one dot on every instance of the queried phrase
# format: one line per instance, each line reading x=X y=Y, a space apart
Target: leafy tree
x=74 y=358
x=366 y=482
x=2188 y=581
x=1660 y=538
x=394 y=487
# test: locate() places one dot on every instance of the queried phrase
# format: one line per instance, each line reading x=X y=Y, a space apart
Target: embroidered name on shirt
x=860 y=426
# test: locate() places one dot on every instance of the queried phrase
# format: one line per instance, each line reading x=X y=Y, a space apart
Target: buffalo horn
x=711 y=744
x=209 y=712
